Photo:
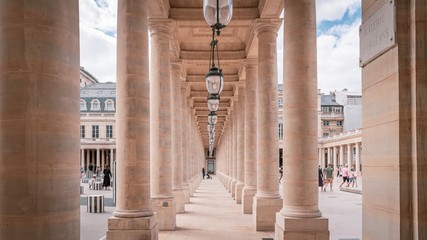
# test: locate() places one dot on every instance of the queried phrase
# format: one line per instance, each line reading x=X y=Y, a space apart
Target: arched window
x=96 y=105
x=109 y=105
x=82 y=105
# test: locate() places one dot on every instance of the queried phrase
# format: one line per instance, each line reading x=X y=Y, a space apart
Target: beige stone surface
x=264 y=213
x=301 y=228
x=165 y=210
x=39 y=115
x=247 y=200
x=144 y=228
x=179 y=196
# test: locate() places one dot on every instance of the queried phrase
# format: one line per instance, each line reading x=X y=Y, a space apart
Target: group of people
x=106 y=173
x=326 y=176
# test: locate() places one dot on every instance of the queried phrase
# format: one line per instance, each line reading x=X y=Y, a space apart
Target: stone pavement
x=212 y=214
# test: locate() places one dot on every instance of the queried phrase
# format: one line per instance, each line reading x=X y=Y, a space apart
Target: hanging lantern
x=218 y=13
x=212 y=118
x=213 y=102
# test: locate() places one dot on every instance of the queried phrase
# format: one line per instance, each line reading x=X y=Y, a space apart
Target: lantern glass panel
x=225 y=11
x=213 y=104
x=214 y=82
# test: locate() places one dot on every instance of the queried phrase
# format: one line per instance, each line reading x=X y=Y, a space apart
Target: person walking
x=329 y=172
x=203 y=173
x=345 y=175
x=107 y=177
x=320 y=178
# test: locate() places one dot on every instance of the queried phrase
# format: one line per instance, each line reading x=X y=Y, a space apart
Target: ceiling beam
x=196 y=14
x=204 y=55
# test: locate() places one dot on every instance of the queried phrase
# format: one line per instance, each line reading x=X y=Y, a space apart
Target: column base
x=247 y=200
x=179 y=196
x=301 y=228
x=264 y=212
x=186 y=190
x=238 y=192
x=229 y=180
x=165 y=211
x=144 y=228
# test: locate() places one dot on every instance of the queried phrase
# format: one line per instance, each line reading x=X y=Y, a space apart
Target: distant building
x=352 y=103
x=97 y=121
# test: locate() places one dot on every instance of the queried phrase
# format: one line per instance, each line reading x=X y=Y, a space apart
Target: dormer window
x=83 y=105
x=96 y=106
x=109 y=105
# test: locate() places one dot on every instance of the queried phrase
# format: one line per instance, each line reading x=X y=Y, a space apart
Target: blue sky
x=338 y=22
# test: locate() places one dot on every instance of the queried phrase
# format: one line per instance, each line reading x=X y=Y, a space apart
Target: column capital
x=267 y=25
x=160 y=26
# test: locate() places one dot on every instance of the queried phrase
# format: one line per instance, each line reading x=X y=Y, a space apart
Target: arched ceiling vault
x=191 y=37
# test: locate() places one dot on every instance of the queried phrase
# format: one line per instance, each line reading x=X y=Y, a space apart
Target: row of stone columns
x=340 y=155
x=87 y=156
x=158 y=149
x=297 y=216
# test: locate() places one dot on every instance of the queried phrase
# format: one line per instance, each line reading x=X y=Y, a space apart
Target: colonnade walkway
x=213 y=214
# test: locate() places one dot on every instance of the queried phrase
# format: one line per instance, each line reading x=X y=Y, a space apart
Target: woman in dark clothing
x=320 y=178
x=107 y=177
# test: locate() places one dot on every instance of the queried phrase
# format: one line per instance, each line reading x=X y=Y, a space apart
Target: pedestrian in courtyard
x=90 y=168
x=354 y=178
x=351 y=178
x=203 y=173
x=320 y=178
x=98 y=171
x=329 y=178
x=345 y=175
x=107 y=177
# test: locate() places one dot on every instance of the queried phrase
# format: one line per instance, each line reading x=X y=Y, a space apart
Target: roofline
x=84 y=72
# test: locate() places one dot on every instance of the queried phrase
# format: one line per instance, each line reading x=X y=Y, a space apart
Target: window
x=109 y=105
x=280 y=102
x=96 y=106
x=339 y=123
x=325 y=134
x=82 y=105
x=82 y=131
x=109 y=131
x=325 y=109
x=280 y=131
x=325 y=123
x=95 y=131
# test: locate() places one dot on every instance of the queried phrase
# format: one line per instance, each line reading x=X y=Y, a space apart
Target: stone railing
x=97 y=140
x=343 y=135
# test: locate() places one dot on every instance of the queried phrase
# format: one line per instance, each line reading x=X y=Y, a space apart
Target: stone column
x=240 y=114
x=177 y=160
x=235 y=149
x=98 y=158
x=184 y=143
x=39 y=116
x=82 y=164
x=133 y=217
x=300 y=217
x=249 y=189
x=341 y=154
x=322 y=162
x=267 y=199
x=329 y=160
x=349 y=155
x=357 y=160
x=162 y=199
x=335 y=162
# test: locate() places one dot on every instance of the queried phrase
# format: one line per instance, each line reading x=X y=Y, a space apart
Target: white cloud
x=337 y=48
x=338 y=59
x=332 y=10
x=98 y=38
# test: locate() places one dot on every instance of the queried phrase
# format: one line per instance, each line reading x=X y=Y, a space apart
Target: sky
x=338 y=24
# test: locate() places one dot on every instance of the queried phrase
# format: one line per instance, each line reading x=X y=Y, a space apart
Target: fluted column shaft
x=177 y=127
x=341 y=155
x=162 y=199
x=160 y=109
x=267 y=111
x=300 y=214
x=250 y=136
x=240 y=117
x=133 y=217
x=267 y=198
x=39 y=116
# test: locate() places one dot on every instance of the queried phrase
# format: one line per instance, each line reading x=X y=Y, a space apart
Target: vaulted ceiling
x=191 y=45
